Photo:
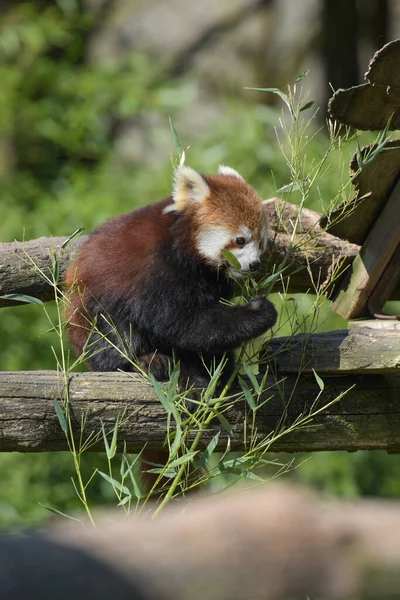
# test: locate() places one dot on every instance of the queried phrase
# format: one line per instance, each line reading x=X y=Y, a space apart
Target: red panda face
x=226 y=214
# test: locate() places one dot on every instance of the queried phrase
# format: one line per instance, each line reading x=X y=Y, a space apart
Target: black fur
x=176 y=313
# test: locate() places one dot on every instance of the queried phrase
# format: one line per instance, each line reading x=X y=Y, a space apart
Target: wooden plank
x=372 y=104
x=362 y=350
x=361 y=420
x=367 y=107
x=371 y=262
x=384 y=288
x=375 y=324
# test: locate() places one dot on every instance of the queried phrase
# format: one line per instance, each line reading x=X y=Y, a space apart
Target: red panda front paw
x=157 y=364
x=263 y=312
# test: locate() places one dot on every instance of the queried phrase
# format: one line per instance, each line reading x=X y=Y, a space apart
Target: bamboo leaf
x=105 y=440
x=307 y=105
x=59 y=512
x=177 y=441
x=162 y=394
x=182 y=460
x=231 y=258
x=204 y=458
x=55 y=268
x=251 y=375
x=289 y=187
x=302 y=76
x=115 y=483
x=247 y=394
x=72 y=236
x=124 y=501
x=60 y=415
x=225 y=423
x=129 y=471
x=22 y=298
x=175 y=137
x=318 y=379
x=162 y=471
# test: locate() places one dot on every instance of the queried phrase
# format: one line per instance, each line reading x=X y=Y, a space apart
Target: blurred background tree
x=86 y=88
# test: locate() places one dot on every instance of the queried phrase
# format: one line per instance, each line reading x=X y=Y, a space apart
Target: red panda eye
x=240 y=241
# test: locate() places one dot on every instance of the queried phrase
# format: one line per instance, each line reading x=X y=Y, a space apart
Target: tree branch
x=22 y=263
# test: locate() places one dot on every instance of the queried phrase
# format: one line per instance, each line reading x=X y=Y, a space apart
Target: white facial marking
x=250 y=253
x=246 y=233
x=223 y=170
x=210 y=244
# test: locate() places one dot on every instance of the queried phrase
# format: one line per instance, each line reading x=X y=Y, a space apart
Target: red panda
x=152 y=280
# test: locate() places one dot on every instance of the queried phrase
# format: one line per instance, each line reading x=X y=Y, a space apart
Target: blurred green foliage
x=60 y=118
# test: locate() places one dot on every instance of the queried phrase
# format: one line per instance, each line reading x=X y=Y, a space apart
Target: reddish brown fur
x=232 y=202
x=140 y=232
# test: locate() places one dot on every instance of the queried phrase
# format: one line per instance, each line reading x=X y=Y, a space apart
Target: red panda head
x=225 y=213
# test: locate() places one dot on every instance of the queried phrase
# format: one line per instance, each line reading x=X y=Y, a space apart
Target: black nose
x=255 y=265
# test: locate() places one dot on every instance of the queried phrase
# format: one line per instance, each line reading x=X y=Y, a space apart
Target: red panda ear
x=223 y=170
x=189 y=187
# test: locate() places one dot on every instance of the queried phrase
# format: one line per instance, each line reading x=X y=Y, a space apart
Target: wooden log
x=22 y=265
x=361 y=350
x=371 y=262
x=28 y=420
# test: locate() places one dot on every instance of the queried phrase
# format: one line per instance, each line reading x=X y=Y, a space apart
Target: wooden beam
x=362 y=350
x=22 y=265
x=28 y=421
x=374 y=104
x=369 y=265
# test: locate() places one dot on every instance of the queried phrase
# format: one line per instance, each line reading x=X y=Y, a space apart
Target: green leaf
x=247 y=394
x=175 y=137
x=56 y=269
x=251 y=475
x=72 y=236
x=231 y=258
x=182 y=460
x=129 y=471
x=290 y=187
x=177 y=441
x=162 y=471
x=307 y=105
x=22 y=298
x=236 y=463
x=209 y=450
x=105 y=440
x=58 y=512
x=251 y=375
x=111 y=449
x=115 y=483
x=302 y=76
x=225 y=423
x=276 y=91
x=318 y=379
x=171 y=390
x=162 y=394
x=60 y=415
x=124 y=501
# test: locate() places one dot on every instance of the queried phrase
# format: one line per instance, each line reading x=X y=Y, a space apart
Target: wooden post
x=375 y=254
